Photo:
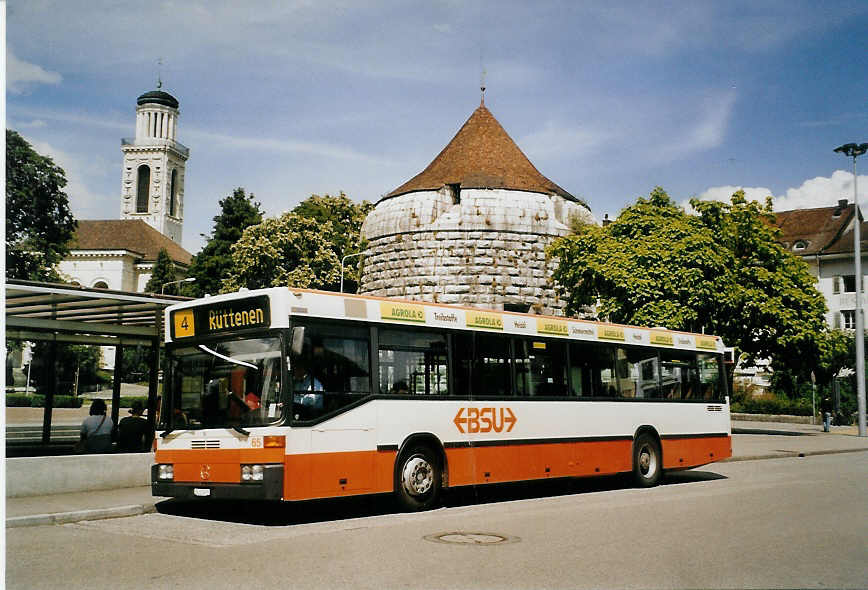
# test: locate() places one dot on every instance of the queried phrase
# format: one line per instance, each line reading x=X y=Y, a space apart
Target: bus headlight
x=166 y=471
x=252 y=473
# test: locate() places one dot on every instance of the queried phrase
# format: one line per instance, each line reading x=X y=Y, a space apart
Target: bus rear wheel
x=647 y=461
x=419 y=477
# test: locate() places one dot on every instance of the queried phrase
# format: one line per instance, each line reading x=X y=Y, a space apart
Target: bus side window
x=412 y=362
x=492 y=370
x=541 y=368
x=462 y=362
x=591 y=368
x=709 y=386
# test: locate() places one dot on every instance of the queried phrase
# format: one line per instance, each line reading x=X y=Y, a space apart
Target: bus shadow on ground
x=334 y=509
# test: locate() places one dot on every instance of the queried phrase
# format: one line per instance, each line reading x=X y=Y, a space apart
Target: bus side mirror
x=297 y=340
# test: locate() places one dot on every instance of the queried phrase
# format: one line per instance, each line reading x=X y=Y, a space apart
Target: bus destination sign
x=227 y=316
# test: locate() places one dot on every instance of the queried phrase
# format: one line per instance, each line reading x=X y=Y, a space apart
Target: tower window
x=455 y=192
x=144 y=182
x=173 y=192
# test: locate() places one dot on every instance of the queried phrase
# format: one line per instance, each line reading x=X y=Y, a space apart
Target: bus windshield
x=228 y=383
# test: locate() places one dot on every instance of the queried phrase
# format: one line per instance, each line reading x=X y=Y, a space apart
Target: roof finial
x=159 y=67
x=482 y=87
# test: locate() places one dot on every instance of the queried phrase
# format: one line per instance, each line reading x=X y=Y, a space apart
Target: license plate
x=203 y=492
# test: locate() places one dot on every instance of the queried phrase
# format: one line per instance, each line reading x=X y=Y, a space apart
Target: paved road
x=793 y=522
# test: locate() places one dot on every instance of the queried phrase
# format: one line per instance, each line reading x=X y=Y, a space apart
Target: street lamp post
x=852 y=150
x=342 y=267
x=187 y=280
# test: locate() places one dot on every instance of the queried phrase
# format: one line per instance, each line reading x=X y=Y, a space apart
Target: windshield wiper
x=241 y=430
x=167 y=432
x=227 y=358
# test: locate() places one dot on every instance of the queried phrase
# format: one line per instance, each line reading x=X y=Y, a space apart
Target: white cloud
x=822 y=192
x=724 y=193
x=705 y=131
x=83 y=201
x=21 y=75
x=813 y=193
x=556 y=140
x=283 y=145
x=34 y=124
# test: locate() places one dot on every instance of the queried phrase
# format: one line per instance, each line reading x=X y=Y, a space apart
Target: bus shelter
x=56 y=313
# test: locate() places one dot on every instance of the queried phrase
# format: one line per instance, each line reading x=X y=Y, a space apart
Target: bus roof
x=288 y=302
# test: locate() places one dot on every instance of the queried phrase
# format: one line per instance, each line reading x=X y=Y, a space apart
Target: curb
x=79 y=515
x=791 y=454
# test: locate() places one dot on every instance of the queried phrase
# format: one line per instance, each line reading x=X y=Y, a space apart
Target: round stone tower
x=472 y=228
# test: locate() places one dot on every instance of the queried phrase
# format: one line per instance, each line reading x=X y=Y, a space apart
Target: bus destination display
x=226 y=316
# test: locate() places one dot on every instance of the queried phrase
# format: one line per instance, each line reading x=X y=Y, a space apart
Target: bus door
x=330 y=375
x=490 y=417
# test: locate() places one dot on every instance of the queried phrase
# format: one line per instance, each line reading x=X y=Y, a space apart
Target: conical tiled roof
x=481 y=155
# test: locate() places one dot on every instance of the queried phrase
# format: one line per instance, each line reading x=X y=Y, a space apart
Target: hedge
x=60 y=401
x=773 y=405
x=127 y=402
x=17 y=400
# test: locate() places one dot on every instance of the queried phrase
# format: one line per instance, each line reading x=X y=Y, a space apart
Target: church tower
x=152 y=186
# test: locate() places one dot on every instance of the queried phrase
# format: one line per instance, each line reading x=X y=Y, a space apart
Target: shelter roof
x=33 y=307
x=482 y=155
x=127 y=234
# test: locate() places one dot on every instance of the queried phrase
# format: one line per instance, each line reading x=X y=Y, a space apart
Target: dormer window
x=800 y=245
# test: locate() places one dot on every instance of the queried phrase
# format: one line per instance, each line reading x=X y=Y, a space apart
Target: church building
x=120 y=253
x=472 y=228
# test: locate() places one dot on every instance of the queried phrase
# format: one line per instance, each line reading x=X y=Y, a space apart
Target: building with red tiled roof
x=823 y=237
x=472 y=227
x=118 y=254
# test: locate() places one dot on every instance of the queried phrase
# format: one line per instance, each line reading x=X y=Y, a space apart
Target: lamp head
x=852 y=150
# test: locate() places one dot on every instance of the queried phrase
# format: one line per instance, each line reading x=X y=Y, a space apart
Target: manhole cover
x=468 y=538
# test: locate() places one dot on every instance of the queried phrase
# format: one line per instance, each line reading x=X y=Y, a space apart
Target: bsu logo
x=479 y=420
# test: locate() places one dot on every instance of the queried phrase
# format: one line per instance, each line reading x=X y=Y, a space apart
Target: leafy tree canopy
x=289 y=250
x=211 y=265
x=346 y=217
x=721 y=271
x=39 y=224
x=163 y=272
x=302 y=248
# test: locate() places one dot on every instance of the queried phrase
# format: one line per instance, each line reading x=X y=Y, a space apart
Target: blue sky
x=607 y=99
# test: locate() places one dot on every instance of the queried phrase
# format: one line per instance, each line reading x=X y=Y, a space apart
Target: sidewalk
x=751 y=441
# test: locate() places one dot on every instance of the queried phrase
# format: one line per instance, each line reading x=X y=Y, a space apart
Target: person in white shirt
x=96 y=430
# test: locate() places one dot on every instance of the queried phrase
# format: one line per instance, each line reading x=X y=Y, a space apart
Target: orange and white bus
x=291 y=394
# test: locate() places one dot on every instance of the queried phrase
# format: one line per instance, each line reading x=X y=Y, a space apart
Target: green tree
x=721 y=271
x=39 y=224
x=211 y=265
x=71 y=359
x=162 y=273
x=289 y=250
x=346 y=217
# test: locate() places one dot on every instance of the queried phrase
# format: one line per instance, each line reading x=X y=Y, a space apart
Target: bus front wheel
x=418 y=479
x=647 y=461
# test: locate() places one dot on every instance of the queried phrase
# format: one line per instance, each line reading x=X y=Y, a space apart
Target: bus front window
x=226 y=384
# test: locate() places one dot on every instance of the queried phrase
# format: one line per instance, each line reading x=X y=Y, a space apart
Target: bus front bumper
x=270 y=488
